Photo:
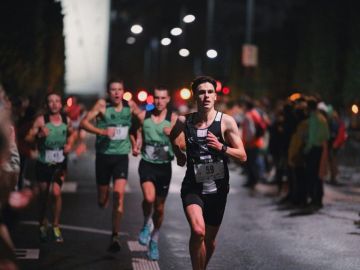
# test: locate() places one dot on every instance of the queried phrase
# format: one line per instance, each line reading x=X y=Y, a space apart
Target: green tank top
x=51 y=147
x=157 y=146
x=121 y=121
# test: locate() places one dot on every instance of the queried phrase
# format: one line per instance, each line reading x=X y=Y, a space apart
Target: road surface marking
x=144 y=264
x=134 y=246
x=27 y=254
x=141 y=263
x=78 y=228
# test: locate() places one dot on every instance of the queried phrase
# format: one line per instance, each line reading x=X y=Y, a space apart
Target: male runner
x=211 y=137
x=113 y=144
x=155 y=167
x=55 y=137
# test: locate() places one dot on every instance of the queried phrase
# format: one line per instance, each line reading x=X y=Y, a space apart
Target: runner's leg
x=197 y=248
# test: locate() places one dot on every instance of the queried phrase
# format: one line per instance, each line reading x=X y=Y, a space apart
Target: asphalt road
x=255 y=234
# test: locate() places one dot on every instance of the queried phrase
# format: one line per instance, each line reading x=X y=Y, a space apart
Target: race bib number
x=157 y=152
x=121 y=133
x=209 y=171
x=54 y=156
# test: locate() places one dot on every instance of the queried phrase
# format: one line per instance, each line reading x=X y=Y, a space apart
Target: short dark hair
x=53 y=93
x=161 y=88
x=113 y=80
x=202 y=79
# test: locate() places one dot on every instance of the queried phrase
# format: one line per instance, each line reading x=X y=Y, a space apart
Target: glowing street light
x=176 y=31
x=184 y=52
x=130 y=40
x=142 y=95
x=189 y=18
x=165 y=41
x=211 y=53
x=295 y=96
x=226 y=90
x=150 y=99
x=185 y=93
x=355 y=109
x=136 y=29
x=127 y=96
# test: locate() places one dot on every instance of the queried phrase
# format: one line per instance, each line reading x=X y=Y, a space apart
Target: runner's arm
x=167 y=130
x=235 y=148
x=232 y=138
x=98 y=109
x=178 y=141
x=136 y=111
x=72 y=135
x=34 y=130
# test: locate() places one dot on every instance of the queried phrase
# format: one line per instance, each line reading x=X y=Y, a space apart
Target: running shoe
x=57 y=235
x=43 y=232
x=144 y=236
x=153 y=252
x=115 y=244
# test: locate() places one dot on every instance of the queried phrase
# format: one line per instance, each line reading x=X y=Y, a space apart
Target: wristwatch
x=224 y=148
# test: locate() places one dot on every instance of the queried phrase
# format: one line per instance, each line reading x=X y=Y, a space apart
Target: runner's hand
x=213 y=142
x=181 y=159
x=43 y=132
x=135 y=151
x=67 y=148
x=110 y=132
x=167 y=130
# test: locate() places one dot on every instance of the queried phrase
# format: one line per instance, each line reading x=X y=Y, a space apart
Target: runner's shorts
x=49 y=172
x=213 y=205
x=159 y=174
x=109 y=167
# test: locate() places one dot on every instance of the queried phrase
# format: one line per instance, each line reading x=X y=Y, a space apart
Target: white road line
x=27 y=254
x=69 y=187
x=77 y=228
x=141 y=263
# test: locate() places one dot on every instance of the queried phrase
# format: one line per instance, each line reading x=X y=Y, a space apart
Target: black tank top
x=207 y=170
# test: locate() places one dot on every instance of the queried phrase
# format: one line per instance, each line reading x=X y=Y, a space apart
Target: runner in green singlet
x=155 y=167
x=113 y=144
x=55 y=137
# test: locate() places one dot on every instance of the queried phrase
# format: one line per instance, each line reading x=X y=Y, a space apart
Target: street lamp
x=184 y=52
x=165 y=41
x=176 y=31
x=136 y=29
x=189 y=18
x=211 y=53
x=130 y=40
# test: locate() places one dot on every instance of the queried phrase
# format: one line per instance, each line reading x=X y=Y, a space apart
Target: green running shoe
x=57 y=235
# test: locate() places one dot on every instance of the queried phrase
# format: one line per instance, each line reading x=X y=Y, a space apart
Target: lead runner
x=210 y=137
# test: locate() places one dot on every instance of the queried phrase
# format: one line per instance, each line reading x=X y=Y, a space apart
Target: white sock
x=155 y=235
x=147 y=220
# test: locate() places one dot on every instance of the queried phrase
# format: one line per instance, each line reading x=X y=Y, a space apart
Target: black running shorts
x=49 y=172
x=213 y=205
x=159 y=174
x=109 y=167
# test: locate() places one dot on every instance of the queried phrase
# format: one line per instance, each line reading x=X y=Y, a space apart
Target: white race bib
x=54 y=156
x=209 y=171
x=157 y=152
x=121 y=133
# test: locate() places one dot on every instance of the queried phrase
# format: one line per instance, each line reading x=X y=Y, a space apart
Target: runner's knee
x=198 y=231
